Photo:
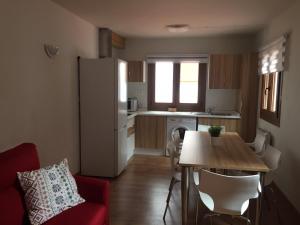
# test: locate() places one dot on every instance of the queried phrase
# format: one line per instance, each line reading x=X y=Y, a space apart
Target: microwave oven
x=132 y=104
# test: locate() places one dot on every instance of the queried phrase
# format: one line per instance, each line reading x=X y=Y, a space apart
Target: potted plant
x=215 y=132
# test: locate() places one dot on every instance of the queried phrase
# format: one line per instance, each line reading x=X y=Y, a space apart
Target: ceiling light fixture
x=177 y=28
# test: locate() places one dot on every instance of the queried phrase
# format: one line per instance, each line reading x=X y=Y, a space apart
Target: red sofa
x=12 y=208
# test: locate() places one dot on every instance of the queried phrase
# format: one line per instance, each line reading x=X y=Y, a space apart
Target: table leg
x=259 y=201
x=185 y=186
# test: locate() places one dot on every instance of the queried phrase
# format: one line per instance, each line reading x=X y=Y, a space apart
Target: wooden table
x=231 y=154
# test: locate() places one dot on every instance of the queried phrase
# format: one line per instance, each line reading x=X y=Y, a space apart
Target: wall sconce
x=51 y=50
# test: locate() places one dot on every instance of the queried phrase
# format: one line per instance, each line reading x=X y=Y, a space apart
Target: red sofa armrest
x=93 y=189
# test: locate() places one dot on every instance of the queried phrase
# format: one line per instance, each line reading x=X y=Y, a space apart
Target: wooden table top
x=231 y=153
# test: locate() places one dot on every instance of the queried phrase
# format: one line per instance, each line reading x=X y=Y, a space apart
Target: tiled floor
x=138 y=198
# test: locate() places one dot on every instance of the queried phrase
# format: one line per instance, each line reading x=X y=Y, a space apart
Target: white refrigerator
x=103 y=116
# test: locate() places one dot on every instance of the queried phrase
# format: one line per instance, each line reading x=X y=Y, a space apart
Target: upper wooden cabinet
x=224 y=71
x=136 y=71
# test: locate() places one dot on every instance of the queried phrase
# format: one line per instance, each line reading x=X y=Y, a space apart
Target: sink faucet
x=210 y=109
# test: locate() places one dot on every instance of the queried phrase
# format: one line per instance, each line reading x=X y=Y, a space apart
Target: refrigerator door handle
x=123 y=127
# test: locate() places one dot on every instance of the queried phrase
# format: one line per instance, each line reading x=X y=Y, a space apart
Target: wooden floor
x=138 y=197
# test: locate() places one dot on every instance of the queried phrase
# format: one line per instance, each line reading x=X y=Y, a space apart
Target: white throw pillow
x=49 y=191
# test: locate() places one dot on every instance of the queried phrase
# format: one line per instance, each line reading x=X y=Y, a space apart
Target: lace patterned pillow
x=49 y=191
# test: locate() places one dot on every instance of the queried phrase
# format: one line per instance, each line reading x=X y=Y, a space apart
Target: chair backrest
x=21 y=158
x=271 y=158
x=262 y=139
x=229 y=193
x=178 y=134
x=171 y=148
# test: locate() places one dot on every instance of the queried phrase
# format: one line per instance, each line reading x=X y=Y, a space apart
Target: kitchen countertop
x=221 y=115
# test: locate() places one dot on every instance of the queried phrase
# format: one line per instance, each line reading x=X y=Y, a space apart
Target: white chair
x=228 y=195
x=175 y=172
x=262 y=139
x=271 y=158
x=177 y=138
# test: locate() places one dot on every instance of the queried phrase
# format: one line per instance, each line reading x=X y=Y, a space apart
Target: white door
x=122 y=94
x=122 y=150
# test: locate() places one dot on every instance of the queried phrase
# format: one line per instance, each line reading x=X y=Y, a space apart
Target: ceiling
x=147 y=18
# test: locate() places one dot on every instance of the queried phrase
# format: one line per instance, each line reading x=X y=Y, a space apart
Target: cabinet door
x=224 y=71
x=249 y=96
x=215 y=71
x=231 y=125
x=136 y=71
x=150 y=132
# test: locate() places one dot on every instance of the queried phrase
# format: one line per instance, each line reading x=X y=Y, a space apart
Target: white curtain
x=272 y=57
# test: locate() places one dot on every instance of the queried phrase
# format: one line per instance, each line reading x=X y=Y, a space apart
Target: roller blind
x=272 y=57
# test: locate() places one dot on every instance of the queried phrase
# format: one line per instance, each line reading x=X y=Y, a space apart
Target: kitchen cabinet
x=231 y=125
x=130 y=137
x=150 y=132
x=117 y=41
x=136 y=71
x=224 y=71
x=249 y=96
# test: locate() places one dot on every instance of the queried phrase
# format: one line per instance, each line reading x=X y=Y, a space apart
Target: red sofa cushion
x=86 y=213
x=24 y=157
x=12 y=210
x=21 y=158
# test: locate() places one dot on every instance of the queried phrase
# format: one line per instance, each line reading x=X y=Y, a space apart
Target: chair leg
x=266 y=198
x=210 y=217
x=197 y=209
x=169 y=196
x=248 y=213
x=171 y=183
x=276 y=206
x=246 y=219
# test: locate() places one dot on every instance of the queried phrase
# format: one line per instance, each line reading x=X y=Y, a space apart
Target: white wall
x=139 y=48
x=286 y=137
x=38 y=95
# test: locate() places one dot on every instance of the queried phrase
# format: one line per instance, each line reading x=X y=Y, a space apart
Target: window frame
x=200 y=106
x=267 y=114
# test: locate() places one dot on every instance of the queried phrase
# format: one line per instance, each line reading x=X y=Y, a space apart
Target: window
x=271 y=97
x=188 y=87
x=164 y=78
x=180 y=85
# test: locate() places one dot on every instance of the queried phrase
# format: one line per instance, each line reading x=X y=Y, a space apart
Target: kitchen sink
x=212 y=113
x=200 y=113
x=220 y=114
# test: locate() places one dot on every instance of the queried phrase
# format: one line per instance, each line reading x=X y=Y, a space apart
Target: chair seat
x=177 y=176
x=86 y=213
x=229 y=210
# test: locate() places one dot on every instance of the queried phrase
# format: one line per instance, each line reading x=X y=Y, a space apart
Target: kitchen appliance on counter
x=103 y=116
x=132 y=104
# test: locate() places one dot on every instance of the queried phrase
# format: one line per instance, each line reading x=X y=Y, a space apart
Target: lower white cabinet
x=130 y=138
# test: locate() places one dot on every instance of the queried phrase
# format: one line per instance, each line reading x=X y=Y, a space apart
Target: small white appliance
x=103 y=116
x=132 y=104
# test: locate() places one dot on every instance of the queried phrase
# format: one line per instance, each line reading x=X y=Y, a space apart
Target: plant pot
x=215 y=141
